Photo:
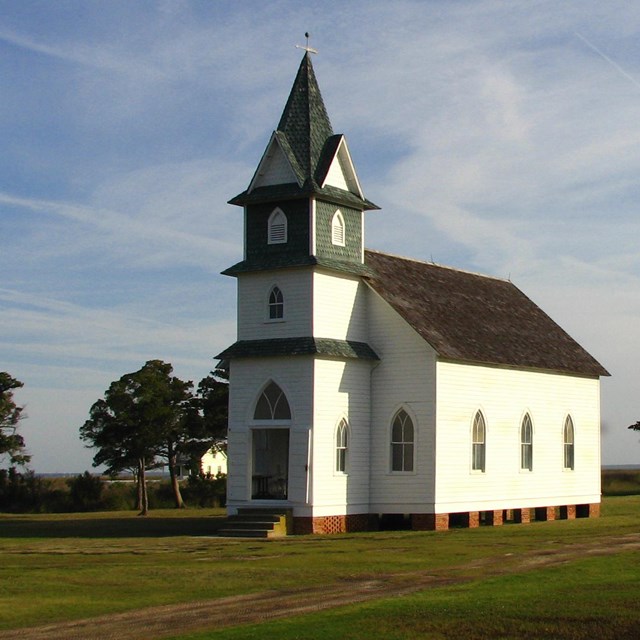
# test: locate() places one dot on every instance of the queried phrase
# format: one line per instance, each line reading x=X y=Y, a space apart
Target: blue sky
x=499 y=137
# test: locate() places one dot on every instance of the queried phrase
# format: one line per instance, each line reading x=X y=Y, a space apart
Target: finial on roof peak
x=307 y=48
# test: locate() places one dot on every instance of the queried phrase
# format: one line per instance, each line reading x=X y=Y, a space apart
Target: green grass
x=592 y=598
x=58 y=568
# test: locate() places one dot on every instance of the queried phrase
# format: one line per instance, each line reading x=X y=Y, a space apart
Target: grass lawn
x=56 y=568
x=591 y=598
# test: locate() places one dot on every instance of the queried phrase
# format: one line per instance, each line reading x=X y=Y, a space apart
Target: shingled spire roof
x=304 y=121
x=305 y=145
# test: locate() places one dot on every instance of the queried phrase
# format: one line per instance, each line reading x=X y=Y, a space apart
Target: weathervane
x=307 y=48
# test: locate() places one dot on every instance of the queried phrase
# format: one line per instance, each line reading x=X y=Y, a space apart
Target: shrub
x=85 y=492
x=206 y=490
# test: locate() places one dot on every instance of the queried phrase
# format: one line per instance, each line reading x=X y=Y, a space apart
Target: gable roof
x=476 y=319
x=306 y=148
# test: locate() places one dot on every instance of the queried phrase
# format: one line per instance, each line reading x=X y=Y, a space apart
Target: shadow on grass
x=110 y=527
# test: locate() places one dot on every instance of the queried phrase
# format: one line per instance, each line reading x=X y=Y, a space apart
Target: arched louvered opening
x=338 y=229
x=277 y=227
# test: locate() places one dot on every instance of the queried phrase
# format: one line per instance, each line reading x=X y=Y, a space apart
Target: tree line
x=146 y=418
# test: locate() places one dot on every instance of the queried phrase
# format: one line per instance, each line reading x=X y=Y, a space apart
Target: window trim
x=404 y=444
x=272 y=227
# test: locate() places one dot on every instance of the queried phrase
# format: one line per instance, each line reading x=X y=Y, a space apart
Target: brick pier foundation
x=444 y=521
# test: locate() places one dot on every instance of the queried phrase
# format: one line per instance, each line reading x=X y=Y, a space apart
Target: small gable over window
x=337 y=229
x=276 y=304
x=272 y=404
x=277 y=227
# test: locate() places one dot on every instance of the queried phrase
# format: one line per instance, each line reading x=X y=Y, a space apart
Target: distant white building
x=364 y=384
x=214 y=462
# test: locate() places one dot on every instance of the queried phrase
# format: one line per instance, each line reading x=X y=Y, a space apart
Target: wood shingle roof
x=476 y=319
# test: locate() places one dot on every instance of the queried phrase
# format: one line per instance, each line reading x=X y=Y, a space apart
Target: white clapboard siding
x=339 y=307
x=253 y=304
x=404 y=378
x=341 y=391
x=504 y=396
x=248 y=378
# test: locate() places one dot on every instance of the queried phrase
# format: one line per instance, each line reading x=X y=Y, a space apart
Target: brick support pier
x=545 y=513
x=522 y=516
x=429 y=521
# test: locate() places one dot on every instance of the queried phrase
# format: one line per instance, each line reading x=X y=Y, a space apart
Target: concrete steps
x=257 y=523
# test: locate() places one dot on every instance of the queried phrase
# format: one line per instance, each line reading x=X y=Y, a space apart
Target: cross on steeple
x=306 y=48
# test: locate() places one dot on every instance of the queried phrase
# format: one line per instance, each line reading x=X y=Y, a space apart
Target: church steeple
x=304 y=205
x=304 y=157
x=304 y=122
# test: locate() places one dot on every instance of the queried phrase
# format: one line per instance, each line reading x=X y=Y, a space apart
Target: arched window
x=277 y=227
x=337 y=229
x=272 y=404
x=569 y=443
x=478 y=444
x=276 y=304
x=342 y=446
x=526 y=443
x=402 y=440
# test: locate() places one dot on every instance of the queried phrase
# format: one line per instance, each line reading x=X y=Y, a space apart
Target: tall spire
x=304 y=121
x=304 y=157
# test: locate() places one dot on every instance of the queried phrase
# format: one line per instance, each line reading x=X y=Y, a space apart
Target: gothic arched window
x=526 y=443
x=272 y=404
x=478 y=443
x=342 y=446
x=276 y=304
x=569 y=443
x=402 y=441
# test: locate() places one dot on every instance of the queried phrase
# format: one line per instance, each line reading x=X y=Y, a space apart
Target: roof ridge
x=431 y=263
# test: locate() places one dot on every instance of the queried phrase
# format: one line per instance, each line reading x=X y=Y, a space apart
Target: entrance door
x=270 y=473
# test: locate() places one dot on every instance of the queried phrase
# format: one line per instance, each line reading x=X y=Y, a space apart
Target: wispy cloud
x=606 y=58
x=492 y=131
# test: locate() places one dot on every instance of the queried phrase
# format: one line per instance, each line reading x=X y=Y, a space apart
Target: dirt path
x=160 y=622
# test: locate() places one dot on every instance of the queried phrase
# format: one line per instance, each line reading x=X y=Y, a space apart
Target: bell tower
x=302 y=327
x=304 y=204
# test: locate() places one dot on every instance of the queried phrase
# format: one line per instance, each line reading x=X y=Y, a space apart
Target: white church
x=367 y=388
